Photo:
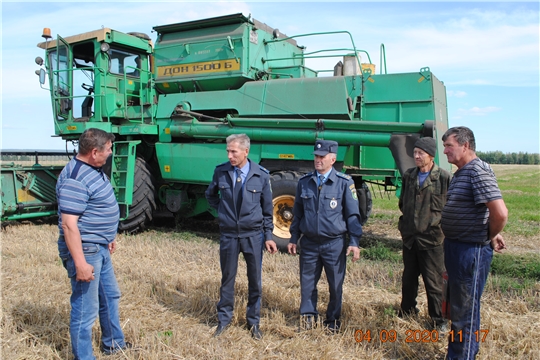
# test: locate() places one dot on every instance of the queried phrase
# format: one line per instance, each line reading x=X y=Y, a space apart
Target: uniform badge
x=333 y=203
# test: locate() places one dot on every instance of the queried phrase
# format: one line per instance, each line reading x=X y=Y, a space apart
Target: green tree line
x=498 y=157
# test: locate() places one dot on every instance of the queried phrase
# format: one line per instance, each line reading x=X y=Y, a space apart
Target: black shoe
x=116 y=350
x=406 y=313
x=256 y=332
x=308 y=322
x=333 y=326
x=219 y=330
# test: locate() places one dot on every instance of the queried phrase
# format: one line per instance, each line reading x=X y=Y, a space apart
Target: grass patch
x=520 y=187
x=380 y=252
x=510 y=285
x=384 y=200
x=526 y=266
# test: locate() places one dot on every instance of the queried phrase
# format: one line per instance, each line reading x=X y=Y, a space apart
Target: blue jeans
x=229 y=250
x=313 y=258
x=90 y=299
x=468 y=267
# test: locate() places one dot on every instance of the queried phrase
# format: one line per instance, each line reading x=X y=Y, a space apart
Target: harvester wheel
x=365 y=202
x=283 y=192
x=142 y=209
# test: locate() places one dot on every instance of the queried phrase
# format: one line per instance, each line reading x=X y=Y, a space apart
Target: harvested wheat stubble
x=170 y=285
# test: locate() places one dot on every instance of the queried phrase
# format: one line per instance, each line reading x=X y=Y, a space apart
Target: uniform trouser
x=468 y=266
x=313 y=258
x=430 y=264
x=100 y=296
x=229 y=250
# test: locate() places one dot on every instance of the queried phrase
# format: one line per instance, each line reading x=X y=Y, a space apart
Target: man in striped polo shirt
x=88 y=216
x=472 y=219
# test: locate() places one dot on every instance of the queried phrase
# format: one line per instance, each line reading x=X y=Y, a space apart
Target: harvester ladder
x=123 y=173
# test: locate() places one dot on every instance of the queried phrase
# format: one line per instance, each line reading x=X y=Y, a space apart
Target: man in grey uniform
x=240 y=191
x=325 y=211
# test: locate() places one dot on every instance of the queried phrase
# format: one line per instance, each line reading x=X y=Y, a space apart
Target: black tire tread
x=141 y=211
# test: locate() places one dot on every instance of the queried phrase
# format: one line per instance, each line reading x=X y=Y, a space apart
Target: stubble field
x=170 y=285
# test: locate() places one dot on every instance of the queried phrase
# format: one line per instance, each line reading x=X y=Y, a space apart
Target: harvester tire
x=284 y=185
x=141 y=211
x=365 y=202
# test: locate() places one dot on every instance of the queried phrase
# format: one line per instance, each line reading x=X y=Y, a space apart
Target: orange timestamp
x=391 y=335
x=479 y=335
x=413 y=336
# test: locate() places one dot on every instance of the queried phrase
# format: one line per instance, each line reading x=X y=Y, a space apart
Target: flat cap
x=427 y=144
x=323 y=147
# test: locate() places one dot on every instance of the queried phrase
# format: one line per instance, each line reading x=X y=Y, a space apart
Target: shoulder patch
x=306 y=175
x=264 y=169
x=344 y=176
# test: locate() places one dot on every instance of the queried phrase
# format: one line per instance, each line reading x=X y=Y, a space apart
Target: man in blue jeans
x=88 y=220
x=472 y=219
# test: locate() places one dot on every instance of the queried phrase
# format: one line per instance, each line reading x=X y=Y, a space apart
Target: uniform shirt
x=322 y=177
x=328 y=214
x=465 y=215
x=256 y=211
x=85 y=191
x=243 y=173
x=421 y=207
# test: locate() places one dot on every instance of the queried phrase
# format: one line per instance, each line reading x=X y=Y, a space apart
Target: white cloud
x=476 y=46
x=457 y=93
x=477 y=111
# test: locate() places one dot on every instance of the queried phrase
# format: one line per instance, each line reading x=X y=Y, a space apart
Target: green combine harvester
x=172 y=104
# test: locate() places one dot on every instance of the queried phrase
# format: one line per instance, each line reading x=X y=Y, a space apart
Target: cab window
x=124 y=62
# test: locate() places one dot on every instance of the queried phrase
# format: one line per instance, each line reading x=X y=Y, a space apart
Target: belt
x=324 y=240
x=483 y=243
x=63 y=239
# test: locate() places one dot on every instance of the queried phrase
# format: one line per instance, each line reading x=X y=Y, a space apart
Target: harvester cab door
x=62 y=93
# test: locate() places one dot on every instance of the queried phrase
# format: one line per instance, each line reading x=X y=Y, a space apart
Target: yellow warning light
x=46 y=33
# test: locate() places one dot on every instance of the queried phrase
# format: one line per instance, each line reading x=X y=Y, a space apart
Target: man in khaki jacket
x=422 y=199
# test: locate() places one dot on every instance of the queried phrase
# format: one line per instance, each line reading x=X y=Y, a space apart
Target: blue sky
x=486 y=53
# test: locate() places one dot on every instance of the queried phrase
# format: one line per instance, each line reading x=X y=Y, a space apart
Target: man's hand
x=271 y=246
x=498 y=244
x=356 y=252
x=291 y=248
x=112 y=247
x=85 y=272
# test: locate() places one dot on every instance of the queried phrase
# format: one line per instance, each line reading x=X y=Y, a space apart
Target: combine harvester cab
x=207 y=79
